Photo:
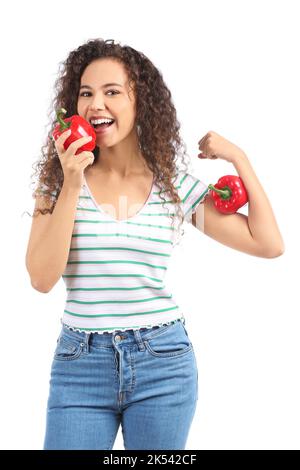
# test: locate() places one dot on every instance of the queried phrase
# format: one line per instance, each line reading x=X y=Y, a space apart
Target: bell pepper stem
x=224 y=193
x=63 y=125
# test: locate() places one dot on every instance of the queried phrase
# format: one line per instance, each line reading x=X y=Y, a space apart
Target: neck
x=118 y=165
x=121 y=160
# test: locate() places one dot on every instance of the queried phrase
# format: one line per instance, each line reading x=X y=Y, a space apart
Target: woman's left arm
x=257 y=234
x=261 y=219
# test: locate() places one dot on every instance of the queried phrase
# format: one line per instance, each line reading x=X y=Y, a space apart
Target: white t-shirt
x=116 y=268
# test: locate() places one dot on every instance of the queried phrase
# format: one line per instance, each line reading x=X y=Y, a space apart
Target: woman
x=123 y=355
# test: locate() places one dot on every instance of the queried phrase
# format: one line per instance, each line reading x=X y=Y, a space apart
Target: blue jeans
x=146 y=380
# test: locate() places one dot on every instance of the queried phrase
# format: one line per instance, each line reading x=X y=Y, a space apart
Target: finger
x=212 y=157
x=205 y=155
x=84 y=155
x=87 y=159
x=74 y=146
x=203 y=139
x=90 y=159
x=63 y=136
x=203 y=146
x=59 y=142
x=79 y=142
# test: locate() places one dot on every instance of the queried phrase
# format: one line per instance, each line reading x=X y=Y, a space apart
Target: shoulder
x=191 y=186
x=192 y=190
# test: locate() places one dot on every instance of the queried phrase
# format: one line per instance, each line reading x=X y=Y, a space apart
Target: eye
x=114 y=91
x=88 y=93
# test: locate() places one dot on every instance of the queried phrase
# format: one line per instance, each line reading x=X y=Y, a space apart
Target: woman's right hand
x=73 y=165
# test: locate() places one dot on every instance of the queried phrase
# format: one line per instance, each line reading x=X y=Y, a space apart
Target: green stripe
x=119 y=301
x=150 y=225
x=162 y=214
x=176 y=187
x=164 y=227
x=150 y=202
x=200 y=197
x=190 y=191
x=119 y=314
x=113 y=288
x=121 y=248
x=120 y=235
x=111 y=275
x=89 y=210
x=183 y=179
x=157 y=192
x=95 y=221
x=161 y=202
x=117 y=261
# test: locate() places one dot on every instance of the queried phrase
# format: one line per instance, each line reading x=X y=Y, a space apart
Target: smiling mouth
x=102 y=126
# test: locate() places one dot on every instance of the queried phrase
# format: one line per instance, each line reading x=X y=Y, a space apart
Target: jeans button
x=117 y=337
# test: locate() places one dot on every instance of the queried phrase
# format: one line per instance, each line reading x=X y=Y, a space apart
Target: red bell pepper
x=79 y=126
x=229 y=194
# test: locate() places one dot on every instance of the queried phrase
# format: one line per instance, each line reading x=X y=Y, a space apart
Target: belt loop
x=86 y=340
x=139 y=340
x=184 y=327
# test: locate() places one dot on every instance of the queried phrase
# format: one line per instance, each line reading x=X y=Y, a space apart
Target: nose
x=97 y=102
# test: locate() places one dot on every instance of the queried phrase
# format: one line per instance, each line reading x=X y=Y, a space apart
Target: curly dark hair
x=156 y=118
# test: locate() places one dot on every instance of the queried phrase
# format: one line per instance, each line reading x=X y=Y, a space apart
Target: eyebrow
x=104 y=86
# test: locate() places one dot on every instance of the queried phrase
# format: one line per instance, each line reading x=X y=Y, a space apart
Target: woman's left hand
x=213 y=146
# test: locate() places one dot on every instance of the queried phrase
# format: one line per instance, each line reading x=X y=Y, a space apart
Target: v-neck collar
x=102 y=211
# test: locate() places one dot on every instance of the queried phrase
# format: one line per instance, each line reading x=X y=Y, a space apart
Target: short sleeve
x=193 y=192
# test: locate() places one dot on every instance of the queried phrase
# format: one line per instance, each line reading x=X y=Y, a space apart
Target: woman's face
x=113 y=101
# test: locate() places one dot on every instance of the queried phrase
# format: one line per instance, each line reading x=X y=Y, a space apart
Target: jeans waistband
x=126 y=336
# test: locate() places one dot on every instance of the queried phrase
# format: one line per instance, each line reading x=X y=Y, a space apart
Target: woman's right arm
x=50 y=240
x=51 y=234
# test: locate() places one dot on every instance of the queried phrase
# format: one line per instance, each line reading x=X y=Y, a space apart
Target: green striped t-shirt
x=116 y=268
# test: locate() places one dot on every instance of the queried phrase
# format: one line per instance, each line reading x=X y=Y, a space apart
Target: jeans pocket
x=172 y=342
x=68 y=349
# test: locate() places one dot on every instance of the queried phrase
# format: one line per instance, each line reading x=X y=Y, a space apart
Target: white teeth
x=100 y=121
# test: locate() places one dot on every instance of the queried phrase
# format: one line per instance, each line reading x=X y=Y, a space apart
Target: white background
x=232 y=67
